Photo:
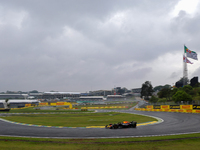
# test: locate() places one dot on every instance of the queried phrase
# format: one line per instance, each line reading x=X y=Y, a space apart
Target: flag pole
x=185 y=71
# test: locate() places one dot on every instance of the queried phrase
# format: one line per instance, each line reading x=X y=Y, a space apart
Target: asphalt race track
x=174 y=123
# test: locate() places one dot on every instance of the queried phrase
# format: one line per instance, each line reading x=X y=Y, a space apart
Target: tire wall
x=172 y=108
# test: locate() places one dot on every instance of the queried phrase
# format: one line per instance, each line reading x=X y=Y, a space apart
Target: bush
x=153 y=99
x=162 y=100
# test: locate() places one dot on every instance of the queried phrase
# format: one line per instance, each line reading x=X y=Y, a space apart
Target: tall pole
x=185 y=71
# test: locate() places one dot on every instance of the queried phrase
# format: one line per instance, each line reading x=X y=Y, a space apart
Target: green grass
x=179 y=142
x=104 y=105
x=77 y=120
x=32 y=110
x=60 y=109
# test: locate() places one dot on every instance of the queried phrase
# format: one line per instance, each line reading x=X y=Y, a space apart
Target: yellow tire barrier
x=172 y=108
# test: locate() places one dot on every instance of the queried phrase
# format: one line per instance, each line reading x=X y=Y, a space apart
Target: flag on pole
x=186 y=60
x=190 y=54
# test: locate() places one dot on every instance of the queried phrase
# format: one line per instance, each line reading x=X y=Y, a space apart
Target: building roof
x=91 y=97
x=72 y=93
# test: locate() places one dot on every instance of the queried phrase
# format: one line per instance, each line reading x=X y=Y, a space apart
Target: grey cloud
x=79 y=46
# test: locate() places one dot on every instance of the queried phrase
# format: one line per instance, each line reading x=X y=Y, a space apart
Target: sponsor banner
x=149 y=106
x=180 y=110
x=186 y=107
x=156 y=107
x=188 y=111
x=164 y=106
x=173 y=110
x=196 y=111
x=60 y=103
x=174 y=106
x=53 y=104
x=196 y=107
x=44 y=104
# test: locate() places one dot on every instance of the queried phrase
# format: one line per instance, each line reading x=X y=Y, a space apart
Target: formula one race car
x=120 y=125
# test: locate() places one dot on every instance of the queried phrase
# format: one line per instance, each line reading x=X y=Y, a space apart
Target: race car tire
x=134 y=125
x=120 y=127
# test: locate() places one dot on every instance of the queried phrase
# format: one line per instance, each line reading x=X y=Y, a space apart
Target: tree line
x=167 y=93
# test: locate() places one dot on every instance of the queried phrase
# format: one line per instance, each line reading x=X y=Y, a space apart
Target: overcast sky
x=87 y=45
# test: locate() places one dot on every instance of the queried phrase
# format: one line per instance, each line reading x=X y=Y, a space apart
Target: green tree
x=181 y=96
x=147 y=90
x=174 y=90
x=165 y=93
x=188 y=89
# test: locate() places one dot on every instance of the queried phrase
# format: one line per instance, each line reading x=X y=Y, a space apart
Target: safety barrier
x=172 y=108
x=57 y=104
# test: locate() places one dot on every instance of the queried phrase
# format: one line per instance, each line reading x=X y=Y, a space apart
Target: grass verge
x=130 y=104
x=33 y=110
x=178 y=142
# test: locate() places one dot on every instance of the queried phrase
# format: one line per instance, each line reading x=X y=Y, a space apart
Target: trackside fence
x=172 y=108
